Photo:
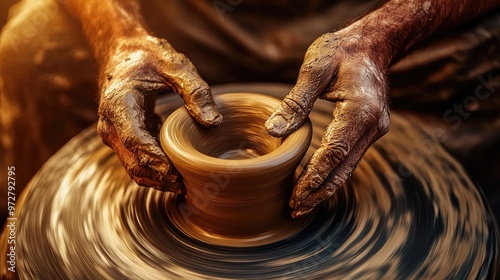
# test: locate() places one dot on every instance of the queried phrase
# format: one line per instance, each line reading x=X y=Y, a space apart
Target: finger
x=359 y=107
x=314 y=77
x=185 y=80
x=346 y=128
x=122 y=127
x=304 y=198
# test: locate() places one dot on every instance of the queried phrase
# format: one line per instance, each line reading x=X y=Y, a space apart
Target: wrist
x=392 y=30
x=107 y=23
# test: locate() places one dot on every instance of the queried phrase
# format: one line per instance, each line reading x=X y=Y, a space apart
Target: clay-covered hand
x=135 y=72
x=342 y=68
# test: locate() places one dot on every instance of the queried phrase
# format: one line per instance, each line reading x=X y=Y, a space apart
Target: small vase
x=238 y=178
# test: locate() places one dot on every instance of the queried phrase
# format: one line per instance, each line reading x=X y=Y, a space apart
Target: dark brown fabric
x=249 y=42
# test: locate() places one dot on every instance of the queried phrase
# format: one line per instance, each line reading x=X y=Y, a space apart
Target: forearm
x=394 y=28
x=106 y=22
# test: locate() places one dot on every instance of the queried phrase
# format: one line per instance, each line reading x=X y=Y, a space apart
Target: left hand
x=344 y=68
x=131 y=77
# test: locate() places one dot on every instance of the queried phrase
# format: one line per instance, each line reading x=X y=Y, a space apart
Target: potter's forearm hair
x=105 y=22
x=398 y=25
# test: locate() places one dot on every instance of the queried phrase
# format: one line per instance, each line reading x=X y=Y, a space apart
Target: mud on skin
x=347 y=67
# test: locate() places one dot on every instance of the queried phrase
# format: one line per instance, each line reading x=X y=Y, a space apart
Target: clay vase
x=238 y=178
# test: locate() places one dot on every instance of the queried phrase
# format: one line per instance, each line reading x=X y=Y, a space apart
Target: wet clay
x=238 y=178
x=409 y=211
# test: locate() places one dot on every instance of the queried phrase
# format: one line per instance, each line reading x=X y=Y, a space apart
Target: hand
x=136 y=71
x=342 y=68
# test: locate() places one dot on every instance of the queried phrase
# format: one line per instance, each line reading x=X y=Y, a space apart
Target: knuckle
x=201 y=91
x=298 y=106
x=336 y=151
x=326 y=38
x=373 y=106
x=180 y=61
x=372 y=110
x=383 y=125
x=163 y=43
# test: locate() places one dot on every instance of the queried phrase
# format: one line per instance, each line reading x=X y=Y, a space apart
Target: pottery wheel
x=408 y=212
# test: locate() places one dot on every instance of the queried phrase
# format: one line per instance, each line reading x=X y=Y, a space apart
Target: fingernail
x=315 y=180
x=211 y=116
x=276 y=126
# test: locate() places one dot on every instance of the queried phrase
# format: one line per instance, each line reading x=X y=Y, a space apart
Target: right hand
x=344 y=68
x=131 y=77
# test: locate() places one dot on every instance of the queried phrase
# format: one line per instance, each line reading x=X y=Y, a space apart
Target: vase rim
x=188 y=156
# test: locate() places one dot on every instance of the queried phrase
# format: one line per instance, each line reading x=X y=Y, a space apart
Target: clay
x=348 y=67
x=408 y=211
x=238 y=178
